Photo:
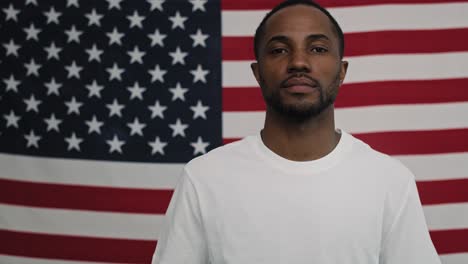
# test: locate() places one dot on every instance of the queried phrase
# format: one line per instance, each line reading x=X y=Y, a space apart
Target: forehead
x=299 y=19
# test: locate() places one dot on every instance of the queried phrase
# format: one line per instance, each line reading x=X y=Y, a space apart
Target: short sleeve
x=408 y=240
x=182 y=239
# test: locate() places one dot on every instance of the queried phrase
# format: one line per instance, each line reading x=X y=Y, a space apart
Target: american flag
x=102 y=103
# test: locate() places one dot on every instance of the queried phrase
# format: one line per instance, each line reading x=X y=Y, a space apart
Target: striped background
x=406 y=94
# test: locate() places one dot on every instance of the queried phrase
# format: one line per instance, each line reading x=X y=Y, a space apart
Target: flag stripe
x=76 y=248
x=455 y=216
x=124 y=200
x=365 y=18
x=459 y=258
x=363 y=94
x=28 y=260
x=92 y=172
x=369 y=43
x=80 y=223
x=450 y=241
x=406 y=67
x=442 y=166
x=371 y=119
x=118 y=250
x=443 y=191
x=269 y=4
x=412 y=142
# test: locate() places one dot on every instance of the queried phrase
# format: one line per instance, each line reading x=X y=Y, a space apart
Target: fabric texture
x=242 y=203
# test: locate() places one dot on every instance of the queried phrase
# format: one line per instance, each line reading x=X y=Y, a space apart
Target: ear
x=255 y=71
x=343 y=70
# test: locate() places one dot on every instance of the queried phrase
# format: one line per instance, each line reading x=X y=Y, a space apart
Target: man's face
x=299 y=68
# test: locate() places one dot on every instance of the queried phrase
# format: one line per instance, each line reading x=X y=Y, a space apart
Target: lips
x=300 y=85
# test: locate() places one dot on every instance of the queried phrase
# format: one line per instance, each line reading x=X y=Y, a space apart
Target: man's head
x=299 y=48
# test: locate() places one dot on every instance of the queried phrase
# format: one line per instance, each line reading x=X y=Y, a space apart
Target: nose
x=298 y=62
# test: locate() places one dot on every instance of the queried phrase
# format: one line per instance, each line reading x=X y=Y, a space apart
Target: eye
x=319 y=49
x=278 y=50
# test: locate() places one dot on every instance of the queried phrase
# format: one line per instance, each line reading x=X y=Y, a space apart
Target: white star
x=94 y=125
x=115 y=144
x=72 y=3
x=52 y=123
x=33 y=2
x=12 y=119
x=52 y=16
x=157 y=74
x=73 y=106
x=115 y=37
x=157 y=110
x=115 y=108
x=199 y=110
x=135 y=20
x=11 y=48
x=31 y=32
x=32 y=68
x=198 y=4
x=177 y=20
x=136 y=55
x=73 y=142
x=94 y=89
x=199 y=74
x=73 y=34
x=32 y=139
x=199 y=146
x=53 y=87
x=199 y=38
x=115 y=72
x=94 y=18
x=136 y=127
x=32 y=104
x=178 y=92
x=53 y=51
x=136 y=91
x=157 y=146
x=178 y=56
x=157 y=38
x=11 y=83
x=73 y=70
x=11 y=13
x=114 y=4
x=94 y=53
x=178 y=128
x=156 y=4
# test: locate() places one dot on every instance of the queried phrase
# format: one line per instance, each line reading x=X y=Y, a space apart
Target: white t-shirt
x=242 y=203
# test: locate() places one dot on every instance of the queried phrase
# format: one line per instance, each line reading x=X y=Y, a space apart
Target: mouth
x=300 y=85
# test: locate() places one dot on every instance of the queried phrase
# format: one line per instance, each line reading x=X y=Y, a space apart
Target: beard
x=302 y=111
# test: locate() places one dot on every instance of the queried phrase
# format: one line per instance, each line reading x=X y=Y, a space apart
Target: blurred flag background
x=102 y=103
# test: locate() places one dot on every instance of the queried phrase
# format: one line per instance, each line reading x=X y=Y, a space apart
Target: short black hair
x=261 y=28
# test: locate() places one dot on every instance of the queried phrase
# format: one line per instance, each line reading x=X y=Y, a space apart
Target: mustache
x=313 y=81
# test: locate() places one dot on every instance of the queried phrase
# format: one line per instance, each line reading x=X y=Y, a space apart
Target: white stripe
x=366 y=119
x=365 y=18
x=437 y=166
x=80 y=223
x=89 y=172
x=373 y=68
x=8 y=259
x=460 y=258
x=446 y=216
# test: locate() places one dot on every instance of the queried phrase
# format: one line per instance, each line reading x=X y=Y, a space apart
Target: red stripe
x=76 y=248
x=450 y=241
x=369 y=43
x=364 y=94
x=269 y=4
x=412 y=142
x=124 y=200
x=443 y=191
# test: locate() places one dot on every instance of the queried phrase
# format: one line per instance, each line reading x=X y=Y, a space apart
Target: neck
x=301 y=141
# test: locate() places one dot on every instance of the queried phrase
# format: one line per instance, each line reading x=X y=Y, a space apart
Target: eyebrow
x=311 y=37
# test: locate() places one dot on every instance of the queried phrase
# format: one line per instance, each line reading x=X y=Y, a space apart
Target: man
x=300 y=191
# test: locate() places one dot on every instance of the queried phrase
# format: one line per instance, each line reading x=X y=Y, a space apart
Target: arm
x=183 y=238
